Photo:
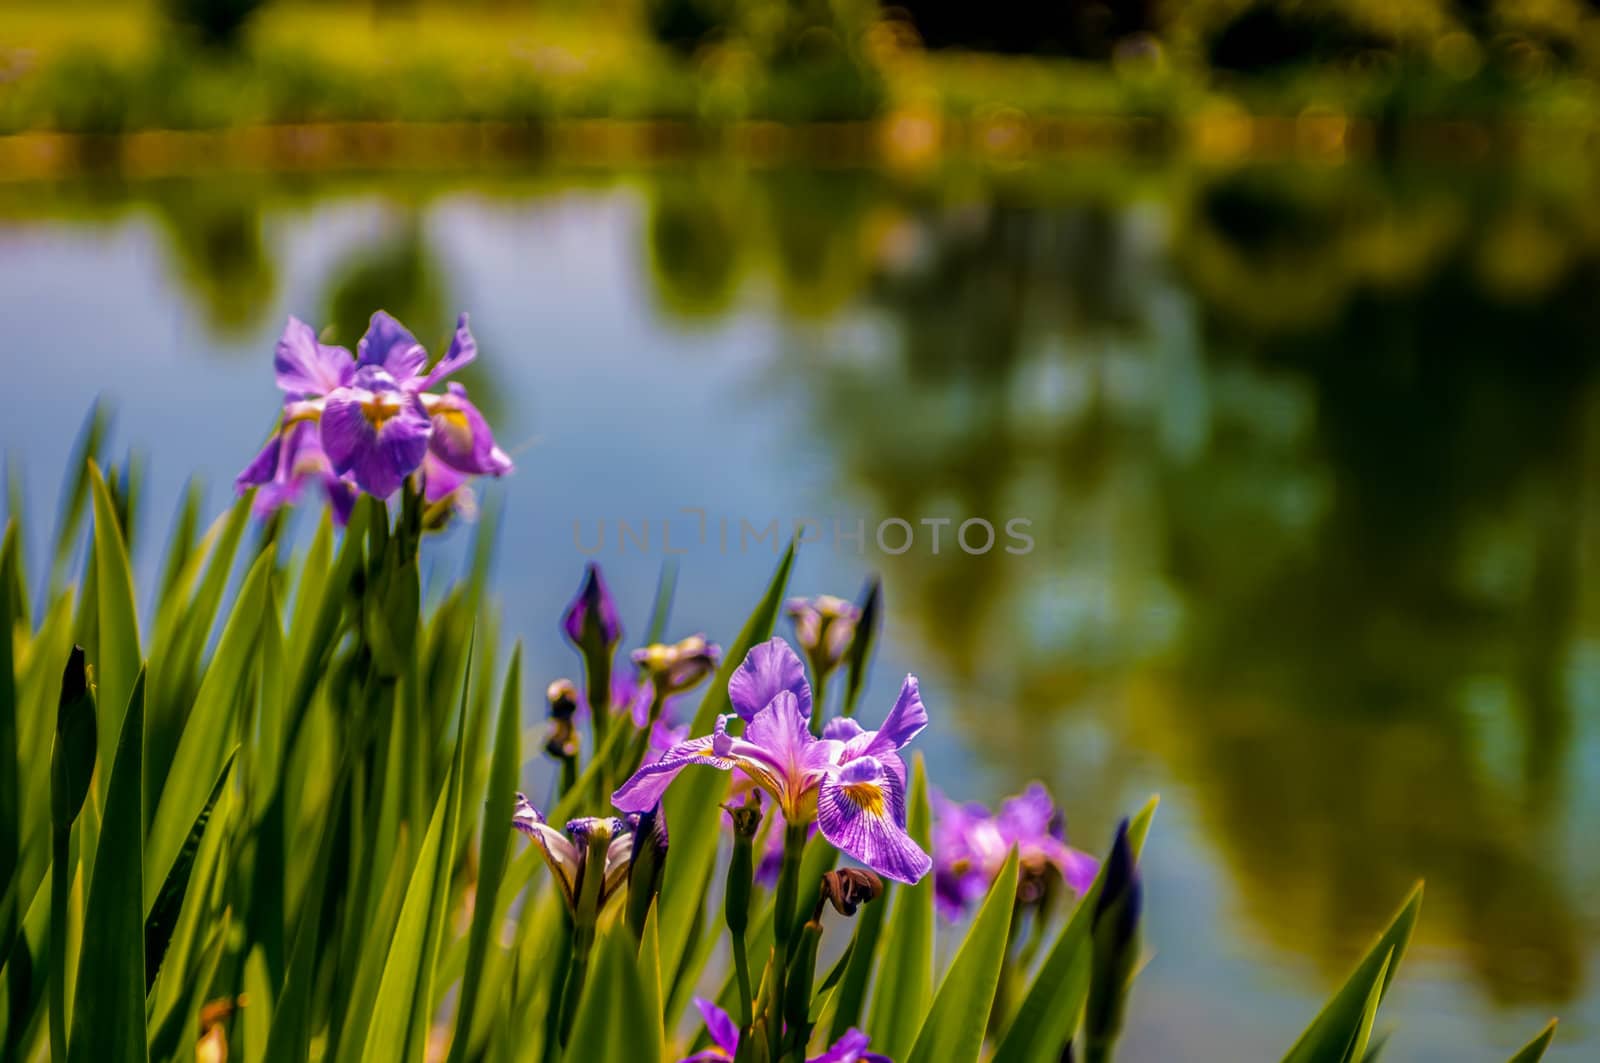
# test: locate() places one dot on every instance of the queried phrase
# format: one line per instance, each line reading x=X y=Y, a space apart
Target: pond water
x=1300 y=467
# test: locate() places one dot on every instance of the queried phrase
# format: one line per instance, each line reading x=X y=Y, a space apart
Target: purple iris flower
x=970 y=846
x=851 y=1048
x=292 y=459
x=593 y=601
x=378 y=420
x=851 y=782
x=375 y=431
x=567 y=854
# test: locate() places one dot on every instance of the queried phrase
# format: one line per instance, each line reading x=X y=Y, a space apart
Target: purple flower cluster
x=970 y=845
x=367 y=422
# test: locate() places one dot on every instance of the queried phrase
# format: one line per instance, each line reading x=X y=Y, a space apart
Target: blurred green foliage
x=214 y=63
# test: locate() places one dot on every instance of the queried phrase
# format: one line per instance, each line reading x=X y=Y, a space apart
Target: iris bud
x=646 y=866
x=1114 y=940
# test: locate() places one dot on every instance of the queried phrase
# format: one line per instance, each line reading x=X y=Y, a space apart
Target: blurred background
x=1278 y=320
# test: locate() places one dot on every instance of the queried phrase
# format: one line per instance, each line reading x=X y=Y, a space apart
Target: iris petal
x=461 y=437
x=463 y=349
x=861 y=810
x=306 y=367
x=391 y=345
x=724 y=1034
x=767 y=670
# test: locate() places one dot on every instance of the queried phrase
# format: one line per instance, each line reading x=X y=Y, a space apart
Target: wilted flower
x=851 y=1048
x=568 y=855
x=848 y=888
x=824 y=627
x=970 y=846
x=591 y=616
x=850 y=781
x=674 y=668
x=375 y=420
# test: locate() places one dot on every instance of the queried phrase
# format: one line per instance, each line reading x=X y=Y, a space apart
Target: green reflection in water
x=1306 y=455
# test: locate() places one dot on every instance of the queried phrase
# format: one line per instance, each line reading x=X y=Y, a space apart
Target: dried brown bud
x=850 y=888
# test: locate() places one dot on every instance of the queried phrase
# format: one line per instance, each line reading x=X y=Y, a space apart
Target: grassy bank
x=91 y=69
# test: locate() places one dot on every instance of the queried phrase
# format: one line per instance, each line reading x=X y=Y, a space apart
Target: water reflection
x=1314 y=460
x=1305 y=452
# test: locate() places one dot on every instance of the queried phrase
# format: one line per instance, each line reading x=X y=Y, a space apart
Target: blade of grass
x=401 y=1016
x=211 y=731
x=108 y=1016
x=164 y=912
x=117 y=665
x=1332 y=1032
x=1534 y=1050
x=953 y=1031
x=494 y=849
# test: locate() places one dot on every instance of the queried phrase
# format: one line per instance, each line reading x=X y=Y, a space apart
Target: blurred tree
x=214 y=231
x=1087 y=29
x=216 y=23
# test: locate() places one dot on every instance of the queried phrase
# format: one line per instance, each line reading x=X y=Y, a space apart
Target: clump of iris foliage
x=279 y=820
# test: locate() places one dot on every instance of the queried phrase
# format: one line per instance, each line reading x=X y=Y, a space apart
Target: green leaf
x=180 y=543
x=650 y=983
x=1534 y=1050
x=610 y=1025
x=87 y=446
x=117 y=665
x=289 y=1039
x=953 y=1031
x=24 y=977
x=210 y=730
x=10 y=768
x=176 y=986
x=163 y=916
x=1369 y=1013
x=905 y=976
x=494 y=849
x=1050 y=1010
x=692 y=802
x=182 y=632
x=860 y=655
x=1329 y=1037
x=401 y=1016
x=108 y=1017
x=666 y=585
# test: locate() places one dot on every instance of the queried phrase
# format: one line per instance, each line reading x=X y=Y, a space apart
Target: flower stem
x=577 y=971
x=597 y=688
x=819 y=699
x=794 y=843
x=741 y=969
